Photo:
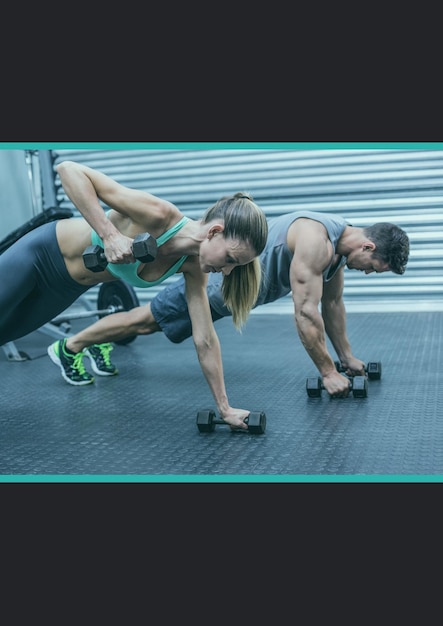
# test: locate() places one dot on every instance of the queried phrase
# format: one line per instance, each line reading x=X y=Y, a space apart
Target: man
x=306 y=253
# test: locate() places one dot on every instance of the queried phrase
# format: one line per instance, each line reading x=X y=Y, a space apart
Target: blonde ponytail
x=245 y=221
x=240 y=291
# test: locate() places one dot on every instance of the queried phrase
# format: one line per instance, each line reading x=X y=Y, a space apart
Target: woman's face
x=218 y=254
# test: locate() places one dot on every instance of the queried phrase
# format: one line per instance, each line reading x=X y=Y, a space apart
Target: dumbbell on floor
x=358 y=386
x=206 y=421
x=144 y=248
x=372 y=369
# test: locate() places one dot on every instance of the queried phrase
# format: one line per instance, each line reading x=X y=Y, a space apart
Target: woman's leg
x=35 y=285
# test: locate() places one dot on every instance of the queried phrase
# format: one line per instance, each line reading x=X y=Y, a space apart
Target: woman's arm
x=85 y=187
x=208 y=348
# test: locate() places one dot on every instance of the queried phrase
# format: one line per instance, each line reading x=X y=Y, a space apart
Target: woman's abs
x=74 y=236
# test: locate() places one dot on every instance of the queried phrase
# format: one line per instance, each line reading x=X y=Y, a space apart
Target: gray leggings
x=35 y=285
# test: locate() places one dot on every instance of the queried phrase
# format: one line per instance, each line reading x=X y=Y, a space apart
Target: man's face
x=363 y=259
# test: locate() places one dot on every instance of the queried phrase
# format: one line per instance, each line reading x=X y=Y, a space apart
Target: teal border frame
x=221 y=145
x=223 y=478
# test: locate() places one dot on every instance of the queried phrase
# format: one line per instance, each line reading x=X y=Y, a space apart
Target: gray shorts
x=170 y=308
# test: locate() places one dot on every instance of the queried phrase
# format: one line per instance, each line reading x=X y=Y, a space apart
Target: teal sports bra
x=128 y=272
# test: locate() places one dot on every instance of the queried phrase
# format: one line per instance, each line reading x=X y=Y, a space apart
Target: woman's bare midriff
x=74 y=236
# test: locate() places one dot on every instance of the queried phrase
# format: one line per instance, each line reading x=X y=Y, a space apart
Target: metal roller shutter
x=364 y=186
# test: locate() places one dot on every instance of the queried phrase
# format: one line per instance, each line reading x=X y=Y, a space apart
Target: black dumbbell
x=206 y=421
x=144 y=248
x=372 y=369
x=94 y=259
x=358 y=386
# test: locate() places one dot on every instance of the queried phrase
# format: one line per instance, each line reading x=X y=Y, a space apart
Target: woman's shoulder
x=158 y=217
x=191 y=268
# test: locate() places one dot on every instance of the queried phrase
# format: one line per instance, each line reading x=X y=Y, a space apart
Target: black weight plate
x=257 y=423
x=205 y=421
x=360 y=387
x=373 y=369
x=314 y=387
x=118 y=293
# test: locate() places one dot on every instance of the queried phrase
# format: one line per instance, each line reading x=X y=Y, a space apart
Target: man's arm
x=306 y=288
x=334 y=317
x=312 y=254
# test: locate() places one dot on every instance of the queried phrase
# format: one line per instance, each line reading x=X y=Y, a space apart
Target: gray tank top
x=276 y=257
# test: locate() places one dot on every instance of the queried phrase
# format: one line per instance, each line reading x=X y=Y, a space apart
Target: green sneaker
x=71 y=365
x=100 y=360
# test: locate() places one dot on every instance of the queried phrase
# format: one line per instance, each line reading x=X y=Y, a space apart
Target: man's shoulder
x=314 y=216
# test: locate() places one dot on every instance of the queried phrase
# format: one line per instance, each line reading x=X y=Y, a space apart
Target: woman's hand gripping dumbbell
x=144 y=248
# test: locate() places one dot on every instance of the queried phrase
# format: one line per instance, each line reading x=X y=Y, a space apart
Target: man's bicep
x=309 y=260
x=306 y=282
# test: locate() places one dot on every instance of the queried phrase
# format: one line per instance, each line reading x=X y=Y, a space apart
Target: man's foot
x=100 y=360
x=71 y=365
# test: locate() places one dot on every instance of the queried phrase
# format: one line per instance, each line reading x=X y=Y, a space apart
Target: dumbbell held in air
x=144 y=248
x=372 y=369
x=358 y=386
x=206 y=421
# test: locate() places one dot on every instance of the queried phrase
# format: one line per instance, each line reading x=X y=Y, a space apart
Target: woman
x=44 y=272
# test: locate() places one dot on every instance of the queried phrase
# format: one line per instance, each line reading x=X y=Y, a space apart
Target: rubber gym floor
x=142 y=422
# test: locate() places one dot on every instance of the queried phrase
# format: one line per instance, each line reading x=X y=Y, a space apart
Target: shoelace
x=105 y=349
x=78 y=363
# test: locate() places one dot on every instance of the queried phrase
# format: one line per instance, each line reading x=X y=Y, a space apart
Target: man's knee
x=143 y=320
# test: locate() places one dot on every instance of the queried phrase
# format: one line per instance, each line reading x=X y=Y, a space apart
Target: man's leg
x=167 y=312
x=169 y=308
x=113 y=328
